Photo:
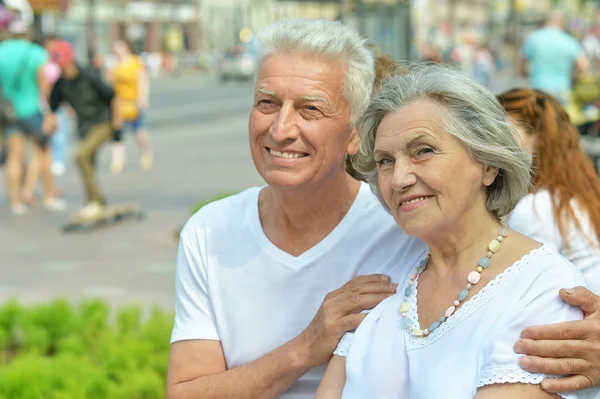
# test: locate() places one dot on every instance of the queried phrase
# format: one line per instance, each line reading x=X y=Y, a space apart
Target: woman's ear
x=490 y=174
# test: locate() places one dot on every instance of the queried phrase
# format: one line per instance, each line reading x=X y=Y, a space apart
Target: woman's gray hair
x=473 y=115
x=332 y=41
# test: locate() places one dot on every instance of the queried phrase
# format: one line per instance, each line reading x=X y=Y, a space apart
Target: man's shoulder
x=224 y=214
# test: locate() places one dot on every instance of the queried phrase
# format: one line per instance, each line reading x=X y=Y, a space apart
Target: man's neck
x=297 y=220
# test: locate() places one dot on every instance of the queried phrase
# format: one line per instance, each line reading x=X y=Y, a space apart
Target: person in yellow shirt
x=131 y=85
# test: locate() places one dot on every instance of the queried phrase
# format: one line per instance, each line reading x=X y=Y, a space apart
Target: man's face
x=300 y=121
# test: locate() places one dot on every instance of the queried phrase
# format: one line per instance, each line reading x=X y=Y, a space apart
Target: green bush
x=199 y=205
x=217 y=197
x=58 y=351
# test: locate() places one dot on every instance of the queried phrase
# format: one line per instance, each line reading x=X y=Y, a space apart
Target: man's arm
x=570 y=348
x=197 y=369
x=55 y=99
x=582 y=63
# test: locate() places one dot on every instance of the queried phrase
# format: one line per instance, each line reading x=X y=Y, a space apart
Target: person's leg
x=60 y=141
x=118 y=155
x=143 y=142
x=41 y=164
x=84 y=157
x=15 y=144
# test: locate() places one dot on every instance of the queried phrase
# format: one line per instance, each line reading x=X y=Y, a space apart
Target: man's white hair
x=332 y=41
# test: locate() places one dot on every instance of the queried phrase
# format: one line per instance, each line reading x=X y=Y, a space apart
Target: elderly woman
x=441 y=154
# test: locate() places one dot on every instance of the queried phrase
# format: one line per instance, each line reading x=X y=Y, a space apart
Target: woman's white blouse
x=534 y=217
x=473 y=348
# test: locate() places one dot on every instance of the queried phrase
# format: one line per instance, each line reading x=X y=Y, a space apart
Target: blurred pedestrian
x=132 y=87
x=98 y=117
x=563 y=209
x=23 y=83
x=484 y=66
x=550 y=56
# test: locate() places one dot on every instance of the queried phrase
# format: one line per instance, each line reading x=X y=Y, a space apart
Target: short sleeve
x=40 y=57
x=540 y=305
x=194 y=315
x=344 y=345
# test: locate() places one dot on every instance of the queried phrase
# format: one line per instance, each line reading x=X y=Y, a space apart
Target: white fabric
x=472 y=349
x=534 y=217
x=234 y=285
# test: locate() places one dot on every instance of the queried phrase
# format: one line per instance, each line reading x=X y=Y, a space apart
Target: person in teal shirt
x=23 y=83
x=549 y=57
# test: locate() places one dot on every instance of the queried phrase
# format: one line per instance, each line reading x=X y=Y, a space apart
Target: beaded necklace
x=473 y=278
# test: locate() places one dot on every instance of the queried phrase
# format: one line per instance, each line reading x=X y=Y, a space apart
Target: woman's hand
x=571 y=348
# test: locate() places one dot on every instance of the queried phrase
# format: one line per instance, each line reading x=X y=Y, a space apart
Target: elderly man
x=259 y=308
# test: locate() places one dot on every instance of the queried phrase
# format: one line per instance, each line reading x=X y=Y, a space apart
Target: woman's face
x=120 y=48
x=525 y=136
x=426 y=176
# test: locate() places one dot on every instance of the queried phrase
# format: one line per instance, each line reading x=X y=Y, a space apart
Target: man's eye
x=312 y=108
x=267 y=102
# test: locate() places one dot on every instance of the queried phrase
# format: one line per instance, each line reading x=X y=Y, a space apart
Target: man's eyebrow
x=267 y=92
x=315 y=98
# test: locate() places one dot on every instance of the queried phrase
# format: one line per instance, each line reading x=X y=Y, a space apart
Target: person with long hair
x=563 y=207
x=131 y=86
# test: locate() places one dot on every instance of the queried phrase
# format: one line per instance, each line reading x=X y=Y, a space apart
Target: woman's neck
x=468 y=240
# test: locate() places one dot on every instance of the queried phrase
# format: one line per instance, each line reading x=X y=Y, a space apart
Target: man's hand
x=571 y=348
x=339 y=313
x=49 y=124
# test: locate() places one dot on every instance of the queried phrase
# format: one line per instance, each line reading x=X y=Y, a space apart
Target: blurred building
x=152 y=25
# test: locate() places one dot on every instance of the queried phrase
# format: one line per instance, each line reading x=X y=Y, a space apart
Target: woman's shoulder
x=545 y=269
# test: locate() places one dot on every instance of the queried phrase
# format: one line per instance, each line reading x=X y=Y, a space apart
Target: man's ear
x=354 y=143
x=489 y=175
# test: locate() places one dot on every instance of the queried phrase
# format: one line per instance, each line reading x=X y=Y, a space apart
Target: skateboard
x=113 y=214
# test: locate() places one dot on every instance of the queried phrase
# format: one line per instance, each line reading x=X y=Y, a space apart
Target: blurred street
x=198 y=128
x=199 y=136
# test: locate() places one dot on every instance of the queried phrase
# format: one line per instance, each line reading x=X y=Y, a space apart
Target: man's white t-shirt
x=235 y=286
x=534 y=217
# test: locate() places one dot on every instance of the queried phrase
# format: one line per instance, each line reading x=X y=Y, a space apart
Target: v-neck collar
x=467 y=308
x=325 y=244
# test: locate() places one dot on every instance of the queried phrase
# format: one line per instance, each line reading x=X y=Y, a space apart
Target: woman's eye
x=384 y=161
x=424 y=150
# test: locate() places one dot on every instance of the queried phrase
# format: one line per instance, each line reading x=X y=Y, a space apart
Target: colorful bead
x=474 y=277
x=411 y=282
x=405 y=307
x=414 y=276
x=494 y=246
x=469 y=286
x=490 y=254
x=479 y=269
x=442 y=319
x=485 y=262
x=408 y=291
x=499 y=238
x=456 y=303
x=406 y=323
x=424 y=262
x=449 y=311
x=404 y=315
x=417 y=332
x=463 y=294
x=434 y=326
x=426 y=332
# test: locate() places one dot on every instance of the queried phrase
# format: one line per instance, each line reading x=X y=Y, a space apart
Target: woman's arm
x=506 y=391
x=332 y=384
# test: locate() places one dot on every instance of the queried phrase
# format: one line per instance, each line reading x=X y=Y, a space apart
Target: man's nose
x=285 y=128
